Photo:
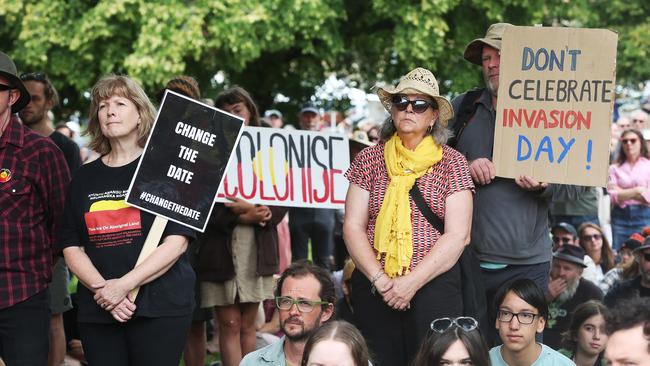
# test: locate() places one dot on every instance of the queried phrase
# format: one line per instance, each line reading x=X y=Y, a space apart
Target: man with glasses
x=568 y=264
x=563 y=234
x=521 y=313
x=566 y=234
x=304 y=298
x=510 y=220
x=35 y=116
x=33 y=181
x=637 y=287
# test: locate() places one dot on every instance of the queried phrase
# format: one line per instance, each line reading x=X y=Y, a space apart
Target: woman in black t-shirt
x=102 y=237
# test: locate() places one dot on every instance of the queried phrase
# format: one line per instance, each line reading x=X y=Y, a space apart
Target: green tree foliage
x=287 y=46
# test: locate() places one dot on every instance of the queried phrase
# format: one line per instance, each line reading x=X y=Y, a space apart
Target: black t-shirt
x=559 y=315
x=70 y=150
x=112 y=234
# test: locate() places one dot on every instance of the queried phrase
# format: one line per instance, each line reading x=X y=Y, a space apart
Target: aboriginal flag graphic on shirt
x=112 y=223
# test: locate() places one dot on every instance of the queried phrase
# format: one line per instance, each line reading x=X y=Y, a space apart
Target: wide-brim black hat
x=571 y=253
x=8 y=70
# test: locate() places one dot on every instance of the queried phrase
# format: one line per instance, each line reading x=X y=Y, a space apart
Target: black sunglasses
x=4 y=87
x=646 y=257
x=557 y=239
x=401 y=102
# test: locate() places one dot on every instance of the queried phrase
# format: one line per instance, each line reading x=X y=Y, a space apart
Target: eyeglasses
x=629 y=141
x=591 y=237
x=4 y=87
x=401 y=102
x=465 y=323
x=304 y=306
x=523 y=317
x=557 y=239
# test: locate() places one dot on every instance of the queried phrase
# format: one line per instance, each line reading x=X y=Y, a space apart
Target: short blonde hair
x=125 y=87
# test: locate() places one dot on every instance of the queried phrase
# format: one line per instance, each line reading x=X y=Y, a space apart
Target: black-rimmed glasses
x=523 y=317
x=401 y=102
x=304 y=306
x=465 y=323
x=4 y=87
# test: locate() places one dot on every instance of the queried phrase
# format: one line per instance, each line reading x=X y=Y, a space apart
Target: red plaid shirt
x=33 y=181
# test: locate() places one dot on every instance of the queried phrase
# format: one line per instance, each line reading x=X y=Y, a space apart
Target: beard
x=31 y=119
x=569 y=292
x=492 y=87
x=304 y=334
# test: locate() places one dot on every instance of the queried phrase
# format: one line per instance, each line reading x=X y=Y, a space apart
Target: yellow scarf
x=393 y=230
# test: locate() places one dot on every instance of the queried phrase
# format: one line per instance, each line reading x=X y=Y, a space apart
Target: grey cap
x=273 y=112
x=309 y=108
x=566 y=227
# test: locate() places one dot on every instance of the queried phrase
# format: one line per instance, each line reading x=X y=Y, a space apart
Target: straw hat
x=420 y=81
x=9 y=72
x=492 y=38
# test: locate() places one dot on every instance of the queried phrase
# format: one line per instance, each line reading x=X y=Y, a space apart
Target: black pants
x=24 y=331
x=138 y=342
x=316 y=224
x=393 y=336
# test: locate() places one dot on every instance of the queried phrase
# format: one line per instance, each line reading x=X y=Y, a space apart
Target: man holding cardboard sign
x=510 y=222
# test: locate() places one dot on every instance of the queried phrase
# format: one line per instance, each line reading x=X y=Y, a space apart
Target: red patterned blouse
x=448 y=176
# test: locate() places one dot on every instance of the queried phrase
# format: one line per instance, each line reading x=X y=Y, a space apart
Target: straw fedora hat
x=420 y=81
x=492 y=38
x=9 y=72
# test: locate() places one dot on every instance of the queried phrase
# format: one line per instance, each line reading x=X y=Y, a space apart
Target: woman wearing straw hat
x=407 y=272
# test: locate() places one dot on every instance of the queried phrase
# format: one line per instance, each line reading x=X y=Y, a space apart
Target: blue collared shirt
x=273 y=354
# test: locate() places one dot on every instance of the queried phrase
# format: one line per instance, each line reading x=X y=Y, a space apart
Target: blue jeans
x=627 y=221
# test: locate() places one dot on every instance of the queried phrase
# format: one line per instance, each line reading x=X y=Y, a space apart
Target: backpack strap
x=465 y=113
x=433 y=219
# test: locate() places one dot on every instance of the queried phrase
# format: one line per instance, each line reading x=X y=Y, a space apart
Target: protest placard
x=555 y=101
x=288 y=168
x=184 y=161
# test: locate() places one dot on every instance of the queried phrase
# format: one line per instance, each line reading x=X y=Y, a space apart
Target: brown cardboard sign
x=555 y=101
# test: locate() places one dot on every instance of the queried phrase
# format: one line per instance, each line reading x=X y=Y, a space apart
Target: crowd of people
x=435 y=260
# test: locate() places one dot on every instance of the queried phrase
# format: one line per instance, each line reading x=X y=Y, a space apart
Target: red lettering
x=326 y=183
x=240 y=182
x=291 y=182
x=303 y=184
x=262 y=196
x=225 y=188
x=333 y=196
x=286 y=189
x=311 y=198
